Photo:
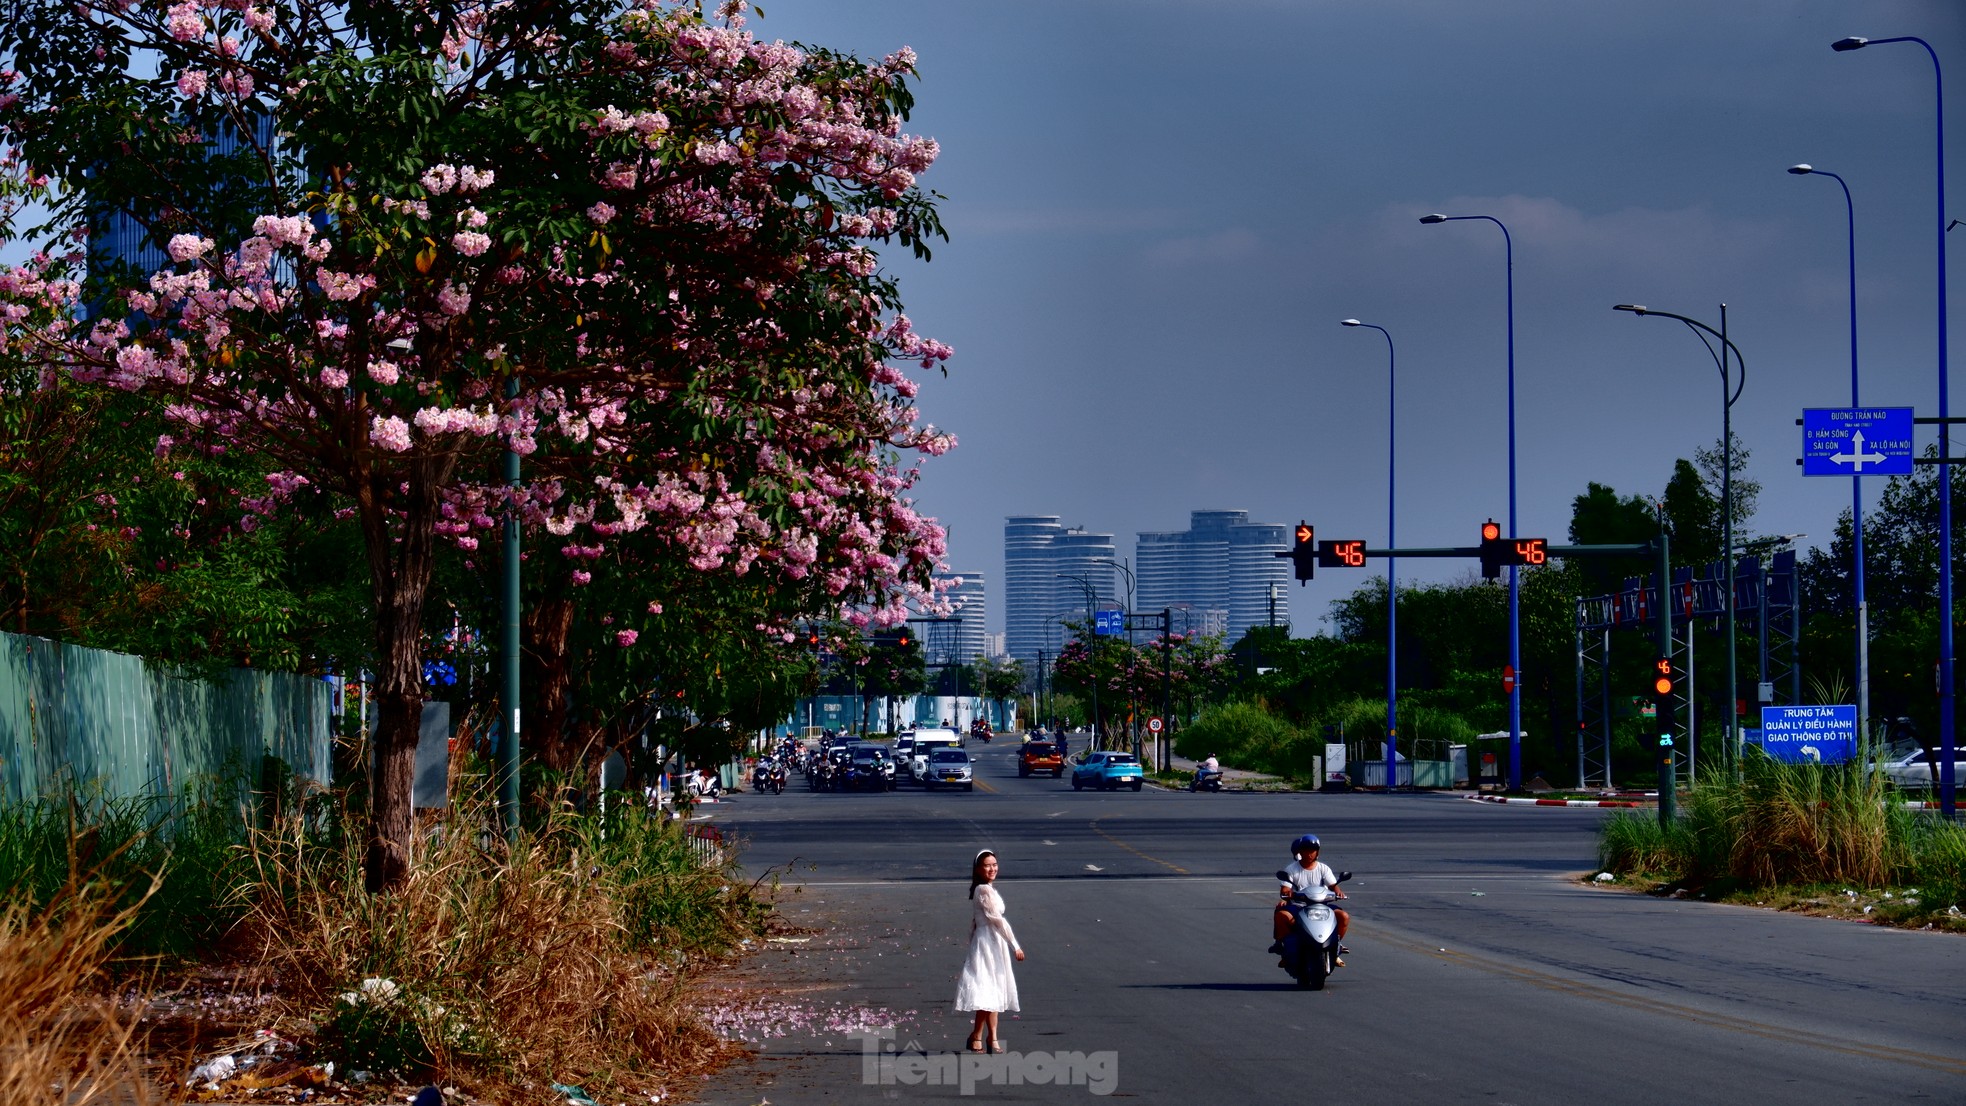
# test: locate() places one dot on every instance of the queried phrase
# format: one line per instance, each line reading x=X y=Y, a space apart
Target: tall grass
x=172 y=862
x=1794 y=825
x=564 y=957
x=61 y=1039
x=502 y=968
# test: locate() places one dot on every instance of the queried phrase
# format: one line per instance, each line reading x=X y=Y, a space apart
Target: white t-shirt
x=1314 y=882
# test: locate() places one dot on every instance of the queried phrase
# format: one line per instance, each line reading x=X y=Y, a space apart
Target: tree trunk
x=400 y=568
x=547 y=626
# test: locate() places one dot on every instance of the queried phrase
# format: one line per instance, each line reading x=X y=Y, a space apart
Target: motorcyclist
x=1303 y=877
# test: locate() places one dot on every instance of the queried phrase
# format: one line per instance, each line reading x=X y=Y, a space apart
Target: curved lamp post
x=1856 y=482
x=1132 y=707
x=1515 y=585
x=1091 y=613
x=1948 y=743
x=1392 y=542
x=1730 y=390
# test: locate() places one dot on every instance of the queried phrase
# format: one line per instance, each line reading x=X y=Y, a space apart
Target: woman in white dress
x=987 y=985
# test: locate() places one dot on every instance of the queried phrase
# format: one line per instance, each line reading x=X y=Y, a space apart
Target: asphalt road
x=1481 y=970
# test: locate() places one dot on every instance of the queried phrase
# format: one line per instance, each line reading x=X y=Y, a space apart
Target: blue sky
x=1159 y=211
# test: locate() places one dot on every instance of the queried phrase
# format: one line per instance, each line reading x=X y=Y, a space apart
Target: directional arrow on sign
x=1856 y=458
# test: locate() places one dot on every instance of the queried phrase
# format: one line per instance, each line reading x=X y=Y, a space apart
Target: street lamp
x=1091 y=614
x=1515 y=585
x=1392 y=542
x=1730 y=390
x=1132 y=705
x=1948 y=745
x=1856 y=481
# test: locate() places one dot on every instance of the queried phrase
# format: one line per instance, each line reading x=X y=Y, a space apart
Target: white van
x=922 y=742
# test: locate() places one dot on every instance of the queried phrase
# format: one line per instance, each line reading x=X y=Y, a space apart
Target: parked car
x=1107 y=770
x=1905 y=764
x=1039 y=756
x=948 y=766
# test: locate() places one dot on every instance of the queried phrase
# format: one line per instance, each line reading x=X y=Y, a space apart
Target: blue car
x=1107 y=770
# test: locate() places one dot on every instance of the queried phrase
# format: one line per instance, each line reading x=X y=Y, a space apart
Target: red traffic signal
x=1662 y=676
x=1303 y=555
x=1493 y=555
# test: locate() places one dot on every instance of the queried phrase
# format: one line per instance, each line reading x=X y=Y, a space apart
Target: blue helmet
x=1308 y=841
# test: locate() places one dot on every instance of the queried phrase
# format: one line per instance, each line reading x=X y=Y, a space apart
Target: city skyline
x=1126 y=341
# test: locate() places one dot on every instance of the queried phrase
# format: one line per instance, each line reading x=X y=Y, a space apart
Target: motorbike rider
x=1303 y=876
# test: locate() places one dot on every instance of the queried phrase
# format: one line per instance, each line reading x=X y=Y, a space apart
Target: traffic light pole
x=1668 y=784
x=1476 y=551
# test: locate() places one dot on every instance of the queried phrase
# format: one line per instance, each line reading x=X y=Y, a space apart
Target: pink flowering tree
x=629 y=241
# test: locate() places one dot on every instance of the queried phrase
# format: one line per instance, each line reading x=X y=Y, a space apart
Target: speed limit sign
x=1154 y=725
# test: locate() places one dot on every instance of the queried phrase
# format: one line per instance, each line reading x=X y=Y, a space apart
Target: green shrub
x=189 y=845
x=1248 y=736
x=1794 y=825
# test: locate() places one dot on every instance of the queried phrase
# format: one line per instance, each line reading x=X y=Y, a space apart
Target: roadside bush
x=1798 y=826
x=502 y=969
x=172 y=864
x=1248 y=736
x=62 y=1040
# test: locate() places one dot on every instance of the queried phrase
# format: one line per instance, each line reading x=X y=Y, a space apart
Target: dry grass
x=497 y=970
x=62 y=1039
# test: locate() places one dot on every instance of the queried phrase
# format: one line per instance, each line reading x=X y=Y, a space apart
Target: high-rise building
x=1044 y=563
x=1221 y=568
x=960 y=639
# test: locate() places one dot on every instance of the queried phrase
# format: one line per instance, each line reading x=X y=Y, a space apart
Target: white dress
x=987 y=982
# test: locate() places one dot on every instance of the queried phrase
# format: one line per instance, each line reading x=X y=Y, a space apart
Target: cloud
x=1222 y=247
x=981 y=220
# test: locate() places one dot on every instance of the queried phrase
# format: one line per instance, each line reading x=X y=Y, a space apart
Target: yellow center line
x=1136 y=852
x=984 y=786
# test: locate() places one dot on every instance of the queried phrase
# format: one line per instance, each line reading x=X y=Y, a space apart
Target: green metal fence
x=88 y=718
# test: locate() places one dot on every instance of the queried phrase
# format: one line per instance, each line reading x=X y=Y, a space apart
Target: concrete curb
x=1556 y=802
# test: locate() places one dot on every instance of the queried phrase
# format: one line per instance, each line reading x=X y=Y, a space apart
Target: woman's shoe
x=996 y=1045
x=976 y=1043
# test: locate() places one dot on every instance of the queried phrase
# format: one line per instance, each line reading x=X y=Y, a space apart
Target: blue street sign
x=1809 y=735
x=1856 y=441
x=1108 y=623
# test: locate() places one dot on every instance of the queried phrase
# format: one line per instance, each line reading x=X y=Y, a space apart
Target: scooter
x=1206 y=779
x=1310 y=949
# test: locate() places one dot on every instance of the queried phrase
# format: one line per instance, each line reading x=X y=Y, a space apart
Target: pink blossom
x=582 y=578
x=343 y=286
x=454 y=299
x=384 y=373
x=625 y=638
x=390 y=434
x=184 y=23
x=471 y=243
x=655 y=608
x=471 y=179
x=439 y=179
x=334 y=378
x=601 y=213
x=259 y=19
x=191 y=83
x=184 y=247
